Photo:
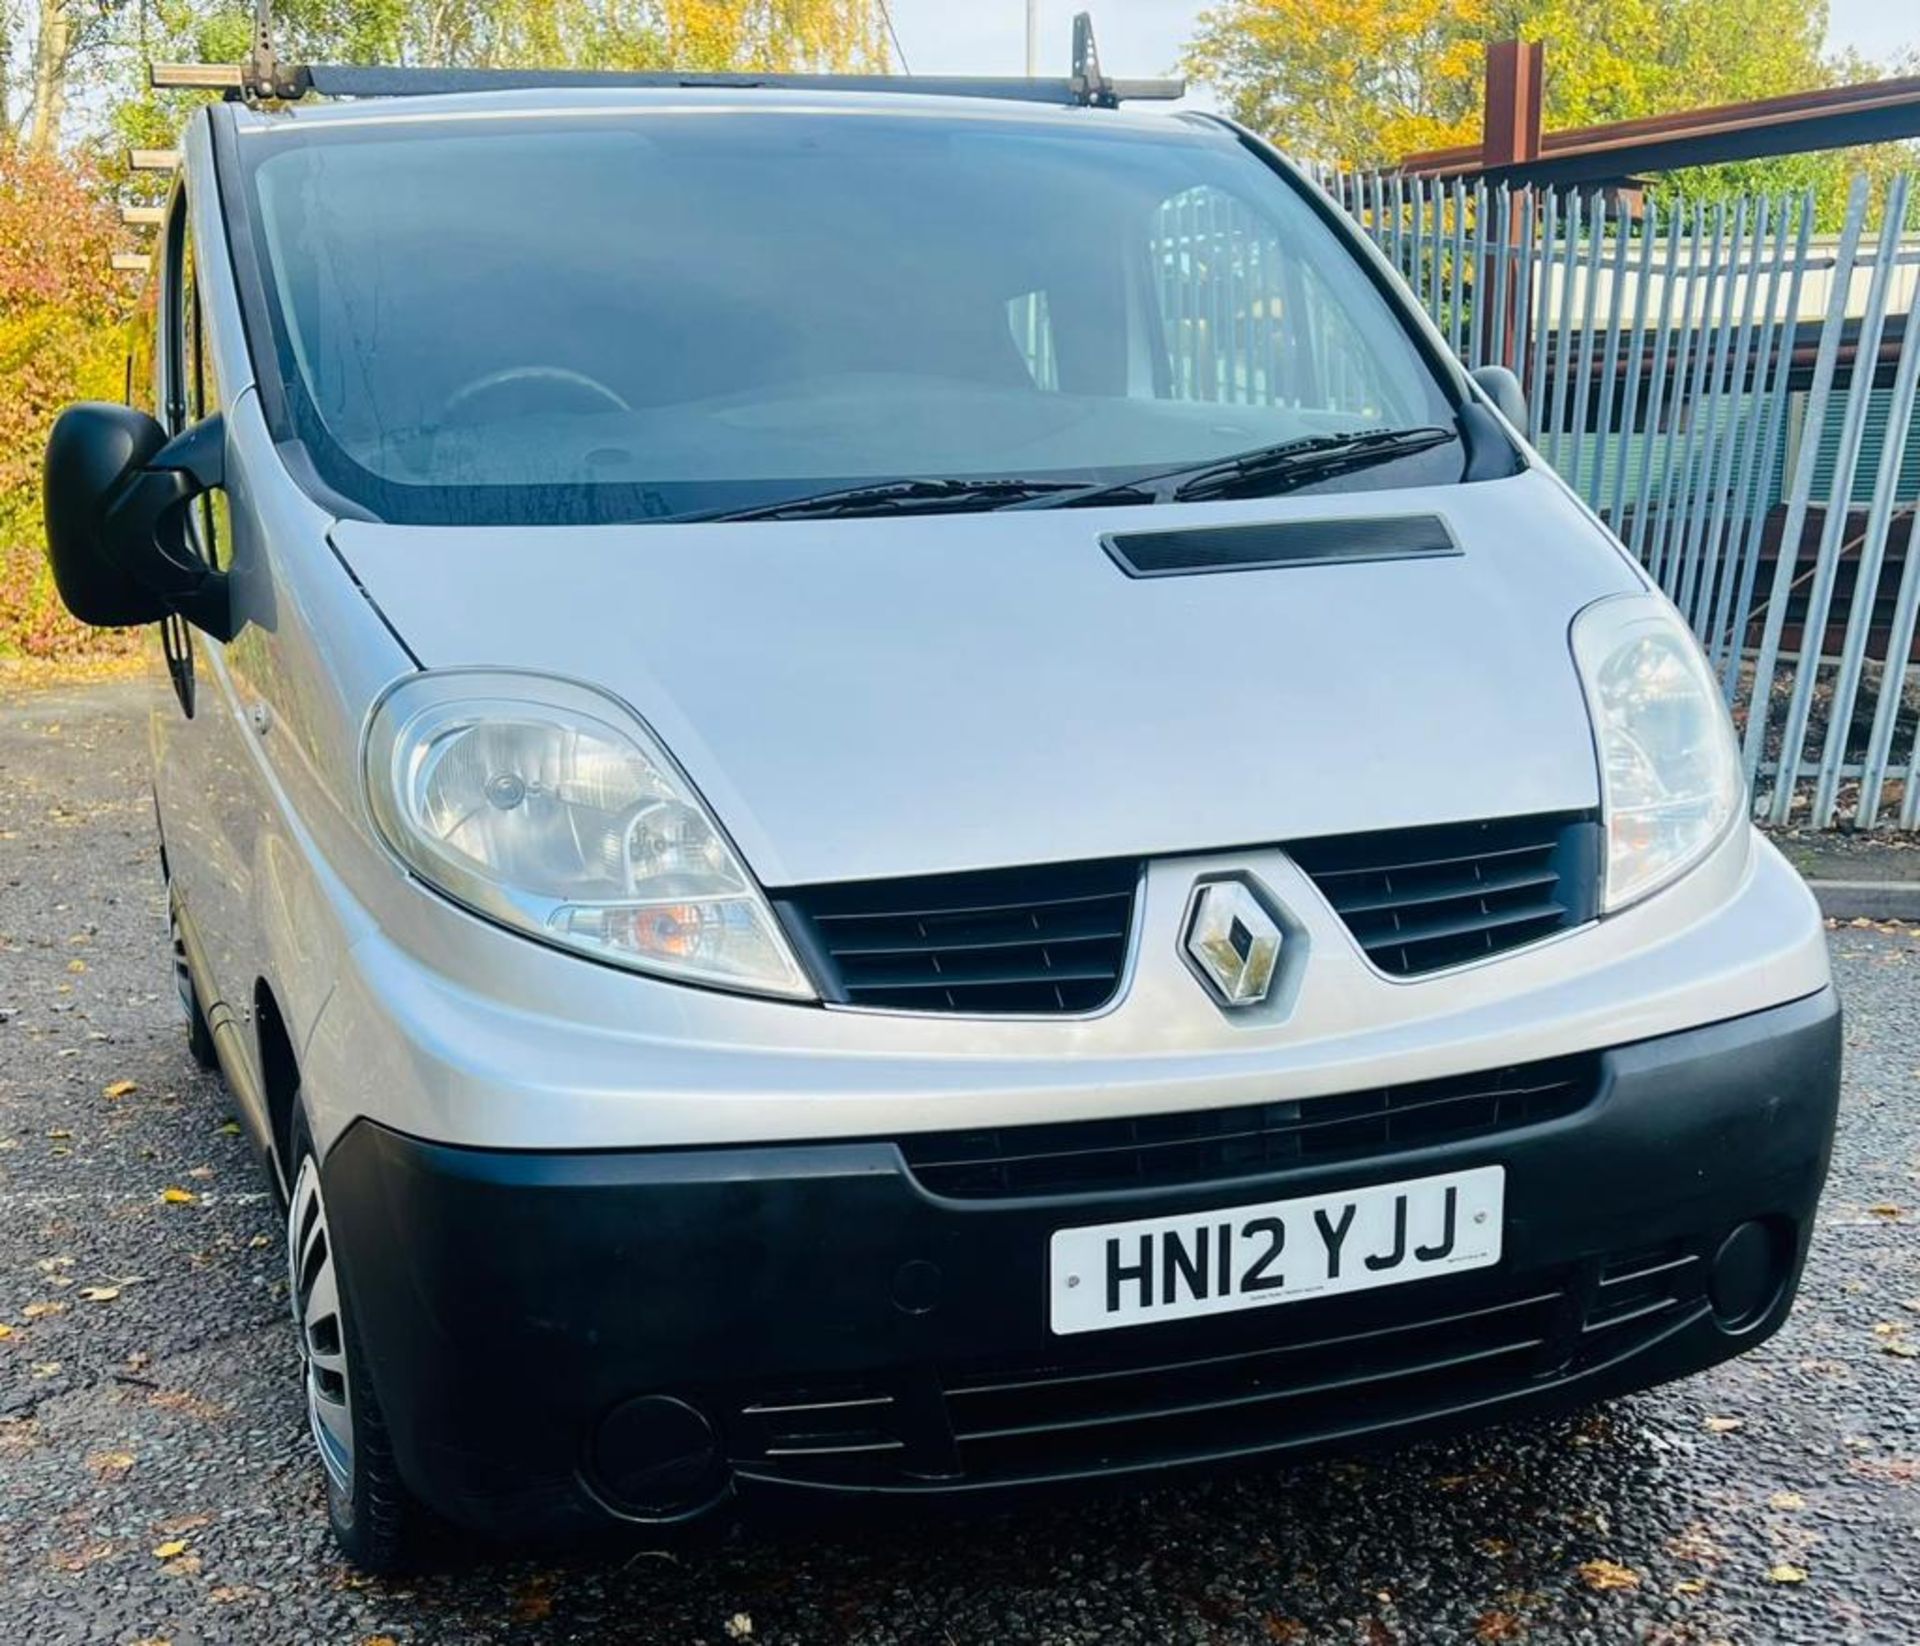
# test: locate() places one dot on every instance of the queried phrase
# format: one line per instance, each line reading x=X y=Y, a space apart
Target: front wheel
x=374 y=1517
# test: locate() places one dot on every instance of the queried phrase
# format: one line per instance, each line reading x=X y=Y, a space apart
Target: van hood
x=875 y=697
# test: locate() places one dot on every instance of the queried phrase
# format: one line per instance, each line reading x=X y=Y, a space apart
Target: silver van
x=894 y=795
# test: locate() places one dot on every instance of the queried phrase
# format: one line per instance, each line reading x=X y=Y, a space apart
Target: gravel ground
x=155 y=1482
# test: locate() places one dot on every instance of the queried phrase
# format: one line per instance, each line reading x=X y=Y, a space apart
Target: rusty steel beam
x=1511 y=134
x=1834 y=117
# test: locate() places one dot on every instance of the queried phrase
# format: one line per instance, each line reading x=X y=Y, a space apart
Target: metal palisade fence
x=1733 y=393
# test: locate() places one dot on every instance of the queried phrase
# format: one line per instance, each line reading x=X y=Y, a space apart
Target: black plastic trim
x=785 y=1289
x=1269 y=545
x=256 y=325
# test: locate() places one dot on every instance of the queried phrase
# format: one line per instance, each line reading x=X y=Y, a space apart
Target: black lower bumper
x=821 y=1325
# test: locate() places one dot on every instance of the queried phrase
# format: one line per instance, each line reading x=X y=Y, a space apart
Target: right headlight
x=1670 y=782
x=549 y=808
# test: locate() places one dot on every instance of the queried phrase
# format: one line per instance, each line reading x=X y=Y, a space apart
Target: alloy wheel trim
x=314 y=1290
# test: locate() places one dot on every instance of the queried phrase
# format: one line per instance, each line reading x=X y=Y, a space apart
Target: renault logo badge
x=1232 y=942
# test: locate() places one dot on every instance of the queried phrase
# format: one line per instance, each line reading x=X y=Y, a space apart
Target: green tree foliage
x=1364 y=82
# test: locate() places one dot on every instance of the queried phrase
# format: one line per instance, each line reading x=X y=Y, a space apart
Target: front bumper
x=846 y=1333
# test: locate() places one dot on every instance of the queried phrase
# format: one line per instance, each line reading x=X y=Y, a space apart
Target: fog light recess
x=1749 y=1271
x=657 y=1458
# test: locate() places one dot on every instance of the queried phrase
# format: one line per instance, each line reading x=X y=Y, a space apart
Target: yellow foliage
x=1363 y=82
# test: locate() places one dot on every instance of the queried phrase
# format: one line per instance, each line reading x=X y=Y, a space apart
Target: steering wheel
x=562 y=376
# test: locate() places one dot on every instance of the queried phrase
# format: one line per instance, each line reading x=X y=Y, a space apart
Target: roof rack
x=263 y=77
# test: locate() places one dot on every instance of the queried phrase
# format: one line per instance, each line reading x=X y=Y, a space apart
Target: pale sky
x=1144 y=37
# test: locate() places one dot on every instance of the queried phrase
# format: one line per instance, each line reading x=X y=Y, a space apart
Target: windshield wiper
x=932 y=495
x=1262 y=471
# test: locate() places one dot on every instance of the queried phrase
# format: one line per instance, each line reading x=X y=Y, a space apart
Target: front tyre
x=374 y=1517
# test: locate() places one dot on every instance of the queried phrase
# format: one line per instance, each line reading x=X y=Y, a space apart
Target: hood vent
x=1271 y=544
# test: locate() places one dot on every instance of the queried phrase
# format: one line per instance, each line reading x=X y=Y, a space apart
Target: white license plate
x=1282 y=1251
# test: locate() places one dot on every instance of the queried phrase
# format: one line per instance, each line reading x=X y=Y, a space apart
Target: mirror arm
x=1490 y=454
x=156 y=501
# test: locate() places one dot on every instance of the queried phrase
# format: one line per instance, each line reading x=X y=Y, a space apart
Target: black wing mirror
x=1500 y=386
x=119 y=498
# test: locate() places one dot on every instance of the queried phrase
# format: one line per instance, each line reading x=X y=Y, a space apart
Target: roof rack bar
x=362 y=80
x=153 y=159
x=265 y=78
x=131 y=262
x=143 y=217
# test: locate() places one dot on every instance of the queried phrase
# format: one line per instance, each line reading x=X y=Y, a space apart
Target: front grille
x=1003 y=941
x=1073 y=1419
x=1637 y=1284
x=1418 y=900
x=837 y=1428
x=1210 y=1144
x=1051 y=940
x=1270 y=1379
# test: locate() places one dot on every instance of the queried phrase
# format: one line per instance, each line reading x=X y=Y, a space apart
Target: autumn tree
x=1364 y=82
x=61 y=306
x=42 y=45
x=51 y=49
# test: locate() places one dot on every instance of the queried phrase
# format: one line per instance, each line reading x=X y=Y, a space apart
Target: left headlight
x=550 y=808
x=1670 y=780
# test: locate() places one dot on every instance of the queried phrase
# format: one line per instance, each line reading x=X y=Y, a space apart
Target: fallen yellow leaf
x=120 y=1088
x=76 y=965
x=178 y=1197
x=1784 y=1573
x=1691 y=1586
x=110 y=1465
x=1724 y=1425
x=1608 y=1574
x=1906 y=1351
x=99 y=1294
x=1786 y=1500
x=172 y=1549
x=6 y=1331
x=34 y=1311
x=1884 y=1209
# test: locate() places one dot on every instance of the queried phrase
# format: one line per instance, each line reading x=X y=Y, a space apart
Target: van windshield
x=517 y=313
